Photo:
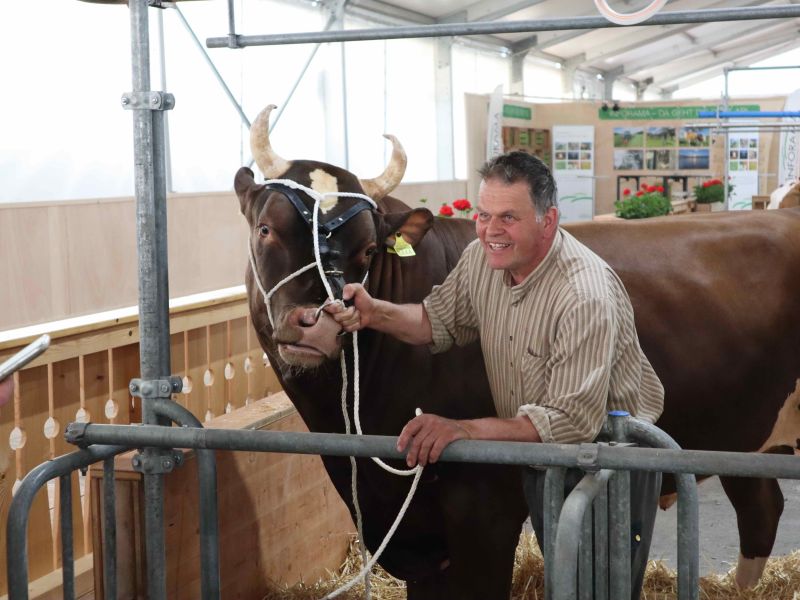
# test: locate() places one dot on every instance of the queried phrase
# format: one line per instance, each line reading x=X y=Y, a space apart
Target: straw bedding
x=781 y=581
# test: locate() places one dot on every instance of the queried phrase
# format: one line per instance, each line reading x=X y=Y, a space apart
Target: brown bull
x=714 y=298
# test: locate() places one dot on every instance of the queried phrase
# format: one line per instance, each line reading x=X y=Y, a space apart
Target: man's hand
x=427 y=436
x=358 y=316
x=6 y=390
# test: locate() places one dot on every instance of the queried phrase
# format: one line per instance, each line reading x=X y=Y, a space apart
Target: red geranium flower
x=651 y=188
x=626 y=192
x=660 y=188
x=640 y=193
x=475 y=217
x=446 y=211
x=462 y=204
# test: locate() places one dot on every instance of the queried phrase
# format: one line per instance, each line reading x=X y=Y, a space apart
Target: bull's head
x=350 y=233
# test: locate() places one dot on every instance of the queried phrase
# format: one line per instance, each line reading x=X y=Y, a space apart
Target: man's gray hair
x=520 y=166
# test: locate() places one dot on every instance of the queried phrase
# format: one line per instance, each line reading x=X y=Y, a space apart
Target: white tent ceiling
x=660 y=58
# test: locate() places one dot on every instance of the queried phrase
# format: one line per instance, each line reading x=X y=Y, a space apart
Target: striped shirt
x=560 y=347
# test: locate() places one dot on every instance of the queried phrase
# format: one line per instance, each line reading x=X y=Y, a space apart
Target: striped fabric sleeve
x=450 y=311
x=581 y=357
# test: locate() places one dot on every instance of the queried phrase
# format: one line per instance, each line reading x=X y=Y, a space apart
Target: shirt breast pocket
x=535 y=377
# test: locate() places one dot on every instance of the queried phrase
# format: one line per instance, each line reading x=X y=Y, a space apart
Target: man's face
x=512 y=237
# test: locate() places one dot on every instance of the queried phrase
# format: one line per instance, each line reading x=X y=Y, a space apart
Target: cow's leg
x=758 y=504
x=483 y=518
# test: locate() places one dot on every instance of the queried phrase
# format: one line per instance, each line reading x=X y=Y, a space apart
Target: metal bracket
x=74 y=433
x=155 y=388
x=587 y=457
x=157 y=464
x=148 y=101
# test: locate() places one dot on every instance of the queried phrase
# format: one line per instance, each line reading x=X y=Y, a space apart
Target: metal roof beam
x=383 y=12
x=488 y=10
x=709 y=42
x=494 y=27
x=633 y=38
x=718 y=69
x=690 y=68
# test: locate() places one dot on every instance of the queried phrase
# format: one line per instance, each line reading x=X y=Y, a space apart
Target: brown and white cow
x=715 y=299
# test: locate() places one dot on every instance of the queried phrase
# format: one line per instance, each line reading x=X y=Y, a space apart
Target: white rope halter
x=416 y=471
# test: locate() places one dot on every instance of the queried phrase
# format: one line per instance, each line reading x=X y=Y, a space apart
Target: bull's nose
x=308 y=318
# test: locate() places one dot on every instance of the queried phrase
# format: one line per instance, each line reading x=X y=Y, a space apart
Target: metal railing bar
x=601 y=545
x=619 y=533
x=705 y=462
x=568 y=535
x=553 y=502
x=109 y=531
x=207 y=479
x=67 y=552
x=19 y=511
x=493 y=27
x=688 y=511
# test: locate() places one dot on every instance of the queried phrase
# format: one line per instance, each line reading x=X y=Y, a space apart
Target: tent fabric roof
x=662 y=58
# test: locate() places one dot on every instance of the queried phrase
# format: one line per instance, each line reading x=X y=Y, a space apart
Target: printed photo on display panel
x=629 y=160
x=694 y=137
x=628 y=137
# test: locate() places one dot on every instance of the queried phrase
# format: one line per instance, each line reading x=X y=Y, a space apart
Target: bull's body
x=715 y=302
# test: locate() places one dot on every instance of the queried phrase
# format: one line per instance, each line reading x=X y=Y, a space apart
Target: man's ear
x=412 y=225
x=551 y=218
x=245 y=186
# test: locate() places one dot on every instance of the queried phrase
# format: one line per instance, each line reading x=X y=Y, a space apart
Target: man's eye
x=263 y=230
x=371 y=250
x=508 y=219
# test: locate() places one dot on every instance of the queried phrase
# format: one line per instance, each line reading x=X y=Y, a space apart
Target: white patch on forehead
x=323 y=182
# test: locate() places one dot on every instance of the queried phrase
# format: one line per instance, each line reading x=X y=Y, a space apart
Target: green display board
x=656 y=113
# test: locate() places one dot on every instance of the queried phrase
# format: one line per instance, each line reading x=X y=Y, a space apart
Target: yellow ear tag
x=401 y=247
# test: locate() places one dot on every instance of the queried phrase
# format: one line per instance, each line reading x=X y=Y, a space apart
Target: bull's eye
x=263 y=230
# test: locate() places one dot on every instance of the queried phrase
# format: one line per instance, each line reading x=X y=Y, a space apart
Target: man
x=556 y=329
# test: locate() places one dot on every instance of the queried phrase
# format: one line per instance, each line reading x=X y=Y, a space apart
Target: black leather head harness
x=334 y=275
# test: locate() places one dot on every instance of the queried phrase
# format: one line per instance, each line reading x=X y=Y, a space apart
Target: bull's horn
x=383 y=184
x=271 y=164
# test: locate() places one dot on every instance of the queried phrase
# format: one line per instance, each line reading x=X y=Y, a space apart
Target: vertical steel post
x=601 y=545
x=585 y=547
x=67 y=553
x=553 y=501
x=109 y=532
x=151 y=229
x=619 y=518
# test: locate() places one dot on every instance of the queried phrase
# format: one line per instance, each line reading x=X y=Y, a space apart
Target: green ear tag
x=401 y=247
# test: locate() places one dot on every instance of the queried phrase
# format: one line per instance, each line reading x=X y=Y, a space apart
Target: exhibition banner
x=573 y=169
x=494 y=131
x=742 y=169
x=656 y=113
x=789 y=161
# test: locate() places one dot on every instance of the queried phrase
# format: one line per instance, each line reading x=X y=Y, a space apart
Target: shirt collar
x=519 y=291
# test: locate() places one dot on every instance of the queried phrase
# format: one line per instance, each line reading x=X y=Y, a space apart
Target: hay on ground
x=781 y=581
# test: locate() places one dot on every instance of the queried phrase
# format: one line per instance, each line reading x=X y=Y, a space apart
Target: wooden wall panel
x=280 y=519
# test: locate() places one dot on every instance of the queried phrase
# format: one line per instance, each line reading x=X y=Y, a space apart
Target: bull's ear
x=243 y=183
x=412 y=225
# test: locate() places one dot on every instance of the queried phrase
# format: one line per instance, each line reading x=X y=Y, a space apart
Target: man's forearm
x=407 y=322
x=516 y=429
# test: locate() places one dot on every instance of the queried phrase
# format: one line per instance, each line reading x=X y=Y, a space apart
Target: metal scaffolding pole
x=151 y=230
x=493 y=27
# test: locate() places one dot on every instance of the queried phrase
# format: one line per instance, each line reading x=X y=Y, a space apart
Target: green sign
x=516 y=112
x=657 y=113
